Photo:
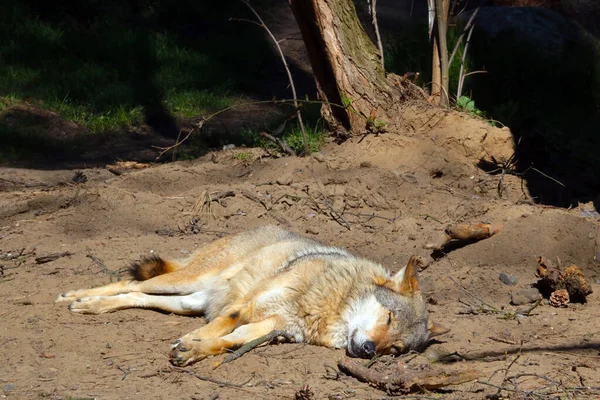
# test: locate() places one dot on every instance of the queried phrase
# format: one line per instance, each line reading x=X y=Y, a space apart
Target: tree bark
x=347 y=66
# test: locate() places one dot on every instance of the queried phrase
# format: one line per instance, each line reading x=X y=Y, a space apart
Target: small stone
x=507 y=279
x=525 y=296
x=366 y=164
x=312 y=231
x=8 y=387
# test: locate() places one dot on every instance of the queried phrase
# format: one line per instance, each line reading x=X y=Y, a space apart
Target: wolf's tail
x=152 y=266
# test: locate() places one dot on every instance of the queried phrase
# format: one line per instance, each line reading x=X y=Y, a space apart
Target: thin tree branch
x=287 y=69
x=376 y=26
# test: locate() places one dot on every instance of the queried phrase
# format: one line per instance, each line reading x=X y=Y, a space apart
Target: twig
x=177 y=142
x=251 y=196
x=286 y=149
x=547 y=176
x=52 y=257
x=99 y=263
x=289 y=74
x=528 y=311
x=124 y=371
x=376 y=26
x=251 y=345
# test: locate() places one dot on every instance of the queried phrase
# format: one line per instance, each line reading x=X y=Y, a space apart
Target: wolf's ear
x=405 y=281
x=436 y=329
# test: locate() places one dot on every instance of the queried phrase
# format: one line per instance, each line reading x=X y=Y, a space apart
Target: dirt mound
x=381 y=197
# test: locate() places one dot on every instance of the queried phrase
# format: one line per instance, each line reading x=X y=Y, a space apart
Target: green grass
x=249 y=136
x=109 y=66
x=315 y=137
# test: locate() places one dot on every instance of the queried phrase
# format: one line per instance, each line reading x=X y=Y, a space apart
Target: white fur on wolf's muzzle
x=362 y=318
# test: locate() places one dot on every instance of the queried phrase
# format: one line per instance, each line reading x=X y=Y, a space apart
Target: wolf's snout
x=364 y=350
x=368 y=348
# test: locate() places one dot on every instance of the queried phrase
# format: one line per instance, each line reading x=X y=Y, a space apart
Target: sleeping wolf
x=271 y=279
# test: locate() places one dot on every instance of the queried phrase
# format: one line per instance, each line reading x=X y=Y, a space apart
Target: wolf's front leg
x=189 y=349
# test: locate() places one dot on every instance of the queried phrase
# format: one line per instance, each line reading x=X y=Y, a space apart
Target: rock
x=285 y=180
x=319 y=157
x=507 y=279
x=525 y=296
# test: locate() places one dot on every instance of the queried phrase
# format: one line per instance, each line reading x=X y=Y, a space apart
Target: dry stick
x=404 y=380
x=279 y=142
x=251 y=345
x=460 y=38
x=461 y=75
x=289 y=74
x=506 y=374
x=98 y=262
x=177 y=143
x=251 y=196
x=52 y=257
x=376 y=25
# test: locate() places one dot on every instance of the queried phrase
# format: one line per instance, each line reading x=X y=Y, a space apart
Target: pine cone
x=559 y=298
x=304 y=393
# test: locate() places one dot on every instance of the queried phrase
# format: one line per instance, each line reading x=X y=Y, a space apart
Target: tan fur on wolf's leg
x=181 y=282
x=104 y=304
x=220 y=326
x=124 y=286
x=187 y=351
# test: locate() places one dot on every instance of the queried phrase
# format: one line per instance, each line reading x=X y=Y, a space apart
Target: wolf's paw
x=185 y=352
x=88 y=305
x=69 y=296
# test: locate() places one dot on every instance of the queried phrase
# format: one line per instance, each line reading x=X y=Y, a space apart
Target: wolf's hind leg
x=188 y=350
x=192 y=304
x=159 y=276
x=180 y=282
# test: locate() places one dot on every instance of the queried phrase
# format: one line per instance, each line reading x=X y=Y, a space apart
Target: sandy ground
x=383 y=197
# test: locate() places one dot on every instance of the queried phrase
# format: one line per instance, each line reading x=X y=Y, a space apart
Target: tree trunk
x=347 y=66
x=440 y=71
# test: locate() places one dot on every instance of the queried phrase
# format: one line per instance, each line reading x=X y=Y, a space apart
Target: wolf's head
x=392 y=319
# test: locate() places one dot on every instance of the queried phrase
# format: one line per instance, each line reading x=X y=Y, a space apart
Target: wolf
x=270 y=279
